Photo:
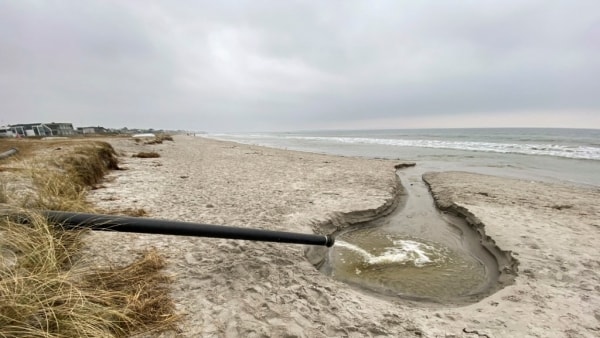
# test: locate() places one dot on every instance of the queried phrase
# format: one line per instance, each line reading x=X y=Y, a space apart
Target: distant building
x=6 y=132
x=31 y=129
x=18 y=131
x=61 y=129
x=43 y=129
x=92 y=130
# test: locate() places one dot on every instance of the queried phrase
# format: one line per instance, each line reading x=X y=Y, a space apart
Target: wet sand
x=230 y=288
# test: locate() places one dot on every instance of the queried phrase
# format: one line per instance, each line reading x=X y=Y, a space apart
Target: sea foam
x=577 y=152
x=403 y=251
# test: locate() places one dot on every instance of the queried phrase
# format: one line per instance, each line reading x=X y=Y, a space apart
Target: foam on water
x=403 y=252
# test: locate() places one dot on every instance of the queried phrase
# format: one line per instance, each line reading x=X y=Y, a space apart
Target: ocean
x=564 y=155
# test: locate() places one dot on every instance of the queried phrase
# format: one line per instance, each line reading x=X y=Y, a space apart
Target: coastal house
x=61 y=129
x=6 y=131
x=31 y=129
x=43 y=129
x=92 y=130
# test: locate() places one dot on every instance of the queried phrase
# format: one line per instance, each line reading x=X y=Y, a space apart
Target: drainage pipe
x=73 y=220
x=8 y=153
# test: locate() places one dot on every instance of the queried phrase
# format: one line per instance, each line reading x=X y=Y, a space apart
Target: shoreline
x=241 y=288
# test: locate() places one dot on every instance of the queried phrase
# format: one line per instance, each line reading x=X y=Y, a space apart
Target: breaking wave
x=576 y=152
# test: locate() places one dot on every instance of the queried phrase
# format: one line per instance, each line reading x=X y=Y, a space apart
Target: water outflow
x=416 y=252
x=400 y=252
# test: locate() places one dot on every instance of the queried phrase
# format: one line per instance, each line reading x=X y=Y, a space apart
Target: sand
x=229 y=288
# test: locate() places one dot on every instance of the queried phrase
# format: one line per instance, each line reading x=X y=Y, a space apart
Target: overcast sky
x=292 y=65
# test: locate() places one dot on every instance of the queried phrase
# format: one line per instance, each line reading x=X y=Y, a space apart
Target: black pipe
x=73 y=220
x=10 y=152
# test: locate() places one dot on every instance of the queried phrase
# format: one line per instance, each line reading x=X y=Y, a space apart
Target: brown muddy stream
x=416 y=252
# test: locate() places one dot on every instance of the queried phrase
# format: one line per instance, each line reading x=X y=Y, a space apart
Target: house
x=61 y=129
x=92 y=130
x=6 y=131
x=31 y=129
x=43 y=129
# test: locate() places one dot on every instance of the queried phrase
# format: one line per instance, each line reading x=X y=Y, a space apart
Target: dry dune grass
x=54 y=190
x=90 y=163
x=46 y=294
x=160 y=138
x=3 y=193
x=26 y=147
x=64 y=185
x=46 y=287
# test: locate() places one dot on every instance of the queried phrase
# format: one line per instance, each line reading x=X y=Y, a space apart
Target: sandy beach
x=228 y=288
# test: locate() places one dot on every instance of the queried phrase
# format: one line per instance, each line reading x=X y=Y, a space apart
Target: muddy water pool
x=416 y=252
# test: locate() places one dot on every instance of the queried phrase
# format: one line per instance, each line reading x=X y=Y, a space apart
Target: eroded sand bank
x=239 y=288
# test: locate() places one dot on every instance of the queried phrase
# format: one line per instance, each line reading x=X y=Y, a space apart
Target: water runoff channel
x=416 y=252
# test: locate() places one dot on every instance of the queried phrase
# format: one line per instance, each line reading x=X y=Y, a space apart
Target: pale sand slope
x=240 y=288
x=554 y=232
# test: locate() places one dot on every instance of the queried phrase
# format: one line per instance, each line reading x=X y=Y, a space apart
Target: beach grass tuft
x=165 y=137
x=64 y=185
x=158 y=139
x=45 y=293
x=55 y=190
x=89 y=164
